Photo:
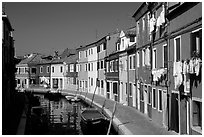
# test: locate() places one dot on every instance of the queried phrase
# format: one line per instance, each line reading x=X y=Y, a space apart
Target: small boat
x=69 y=97
x=93 y=122
x=75 y=99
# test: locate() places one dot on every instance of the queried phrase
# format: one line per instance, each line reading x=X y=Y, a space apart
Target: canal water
x=60 y=117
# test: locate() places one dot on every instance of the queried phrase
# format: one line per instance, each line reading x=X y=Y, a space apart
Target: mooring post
x=114 y=109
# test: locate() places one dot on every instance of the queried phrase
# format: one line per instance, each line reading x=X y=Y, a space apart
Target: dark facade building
x=8 y=70
x=169 y=37
x=185 y=56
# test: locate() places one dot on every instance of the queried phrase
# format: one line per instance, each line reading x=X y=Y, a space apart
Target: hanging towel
x=197 y=66
x=191 y=66
x=152 y=24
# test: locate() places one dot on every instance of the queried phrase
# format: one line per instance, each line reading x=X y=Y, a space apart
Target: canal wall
x=127 y=120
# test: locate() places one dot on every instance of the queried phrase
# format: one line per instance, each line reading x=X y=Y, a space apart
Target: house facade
x=112 y=68
x=44 y=72
x=150 y=69
x=23 y=74
x=71 y=72
x=101 y=51
x=185 y=52
x=82 y=73
x=91 y=67
x=57 y=74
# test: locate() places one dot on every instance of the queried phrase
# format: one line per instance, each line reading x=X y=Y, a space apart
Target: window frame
x=154 y=100
x=165 y=45
x=160 y=101
x=175 y=48
x=154 y=65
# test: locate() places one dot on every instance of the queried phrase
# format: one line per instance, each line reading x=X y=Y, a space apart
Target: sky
x=44 y=27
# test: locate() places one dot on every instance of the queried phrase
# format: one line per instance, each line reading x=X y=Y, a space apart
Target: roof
x=28 y=59
x=71 y=59
x=68 y=52
x=131 y=31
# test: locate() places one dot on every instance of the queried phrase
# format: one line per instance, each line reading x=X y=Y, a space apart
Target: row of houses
x=154 y=67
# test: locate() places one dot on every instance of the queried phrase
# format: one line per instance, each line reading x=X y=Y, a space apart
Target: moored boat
x=93 y=122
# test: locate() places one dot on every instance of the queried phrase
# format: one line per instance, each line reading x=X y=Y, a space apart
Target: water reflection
x=63 y=116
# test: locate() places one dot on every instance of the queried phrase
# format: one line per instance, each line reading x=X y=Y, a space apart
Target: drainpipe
x=168 y=72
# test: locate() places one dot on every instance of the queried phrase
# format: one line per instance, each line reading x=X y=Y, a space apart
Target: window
x=107 y=64
x=102 y=64
x=154 y=98
x=143 y=57
x=86 y=67
x=101 y=47
x=133 y=61
x=91 y=51
x=53 y=69
x=86 y=53
x=33 y=70
x=91 y=81
x=141 y=92
x=104 y=46
x=117 y=46
x=196 y=43
x=149 y=95
x=89 y=67
x=130 y=89
x=98 y=48
x=77 y=67
x=71 y=67
x=79 y=54
x=165 y=56
x=111 y=66
x=143 y=23
x=86 y=84
x=160 y=99
x=80 y=83
x=115 y=88
x=116 y=65
x=123 y=44
x=61 y=69
x=25 y=81
x=48 y=69
x=148 y=21
x=177 y=49
x=41 y=69
x=132 y=39
x=101 y=83
x=138 y=59
x=197 y=113
x=130 y=62
x=98 y=65
x=154 y=65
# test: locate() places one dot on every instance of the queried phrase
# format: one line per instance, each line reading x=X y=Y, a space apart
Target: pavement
x=127 y=120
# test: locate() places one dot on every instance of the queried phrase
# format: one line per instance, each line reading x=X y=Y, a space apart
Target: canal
x=56 y=117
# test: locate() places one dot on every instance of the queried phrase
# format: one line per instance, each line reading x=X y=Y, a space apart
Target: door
x=149 y=105
x=174 y=122
x=183 y=105
x=145 y=99
x=165 y=113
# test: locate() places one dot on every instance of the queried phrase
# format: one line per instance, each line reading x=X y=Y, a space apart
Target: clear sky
x=49 y=26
